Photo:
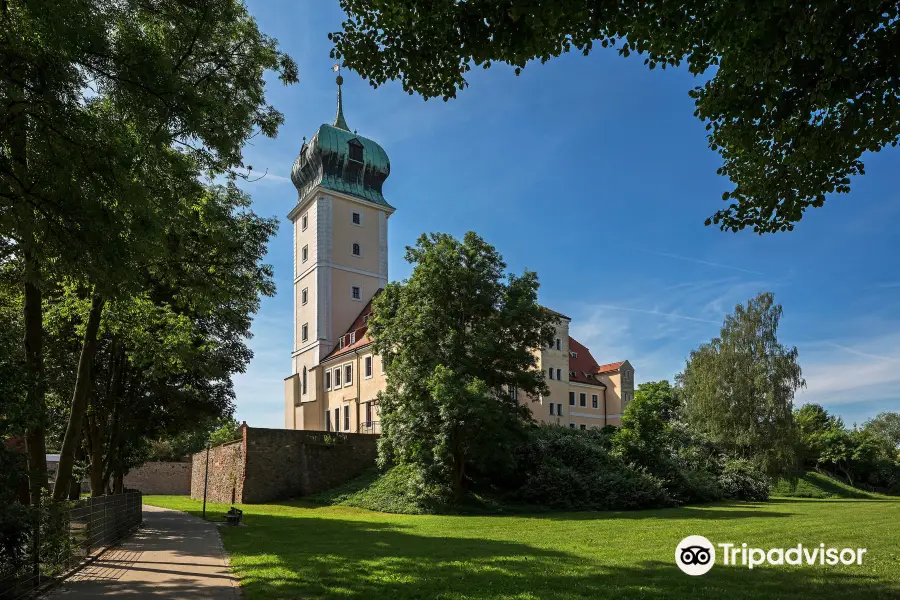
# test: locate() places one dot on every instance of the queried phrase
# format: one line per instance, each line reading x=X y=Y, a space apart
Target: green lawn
x=816 y=485
x=298 y=550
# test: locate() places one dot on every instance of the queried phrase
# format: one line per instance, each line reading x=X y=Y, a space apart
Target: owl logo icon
x=695 y=555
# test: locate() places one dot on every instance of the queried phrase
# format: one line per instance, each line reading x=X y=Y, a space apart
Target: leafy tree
x=645 y=435
x=457 y=338
x=109 y=110
x=886 y=427
x=227 y=430
x=739 y=388
x=814 y=425
x=794 y=93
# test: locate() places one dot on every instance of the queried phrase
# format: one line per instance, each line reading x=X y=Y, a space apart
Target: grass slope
x=300 y=550
x=816 y=485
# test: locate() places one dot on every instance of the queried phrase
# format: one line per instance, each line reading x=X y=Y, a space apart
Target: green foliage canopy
x=458 y=339
x=739 y=388
x=793 y=93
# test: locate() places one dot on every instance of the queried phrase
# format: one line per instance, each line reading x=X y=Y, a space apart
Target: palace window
x=558 y=344
x=327 y=420
x=571 y=425
x=594 y=400
x=327 y=380
x=357 y=251
x=551 y=372
x=559 y=409
x=583 y=426
x=571 y=398
x=582 y=399
x=356 y=218
x=304 y=332
x=368 y=362
x=337 y=419
x=348 y=374
x=551 y=409
x=304 y=296
x=337 y=378
x=559 y=374
x=356 y=292
x=347 y=417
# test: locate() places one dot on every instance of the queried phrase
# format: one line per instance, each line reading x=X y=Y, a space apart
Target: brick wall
x=173 y=478
x=276 y=464
x=226 y=473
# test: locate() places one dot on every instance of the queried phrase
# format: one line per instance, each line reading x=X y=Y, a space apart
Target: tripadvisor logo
x=696 y=555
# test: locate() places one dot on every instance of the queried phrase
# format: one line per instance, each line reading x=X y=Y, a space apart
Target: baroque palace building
x=340 y=229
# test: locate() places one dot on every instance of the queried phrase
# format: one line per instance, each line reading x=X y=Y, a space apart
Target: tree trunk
x=79 y=399
x=35 y=442
x=96 y=449
x=75 y=486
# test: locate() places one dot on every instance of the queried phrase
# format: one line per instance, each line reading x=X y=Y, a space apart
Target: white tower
x=340 y=251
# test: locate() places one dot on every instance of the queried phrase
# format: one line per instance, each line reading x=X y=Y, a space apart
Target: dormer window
x=356 y=150
x=573 y=354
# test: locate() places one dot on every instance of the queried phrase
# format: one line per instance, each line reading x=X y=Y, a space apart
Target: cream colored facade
x=340 y=263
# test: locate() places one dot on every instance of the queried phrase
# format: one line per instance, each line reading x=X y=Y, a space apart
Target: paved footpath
x=173 y=555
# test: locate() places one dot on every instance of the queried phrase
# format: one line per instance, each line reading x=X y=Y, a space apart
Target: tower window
x=357 y=218
x=357 y=251
x=304 y=380
x=304 y=253
x=304 y=296
x=304 y=222
x=304 y=332
x=368 y=367
x=571 y=398
x=558 y=344
x=327 y=380
x=356 y=292
x=356 y=150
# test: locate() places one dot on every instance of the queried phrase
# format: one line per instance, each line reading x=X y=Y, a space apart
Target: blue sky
x=593 y=172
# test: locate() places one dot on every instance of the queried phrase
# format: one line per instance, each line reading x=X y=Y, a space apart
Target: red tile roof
x=361 y=331
x=582 y=366
x=610 y=367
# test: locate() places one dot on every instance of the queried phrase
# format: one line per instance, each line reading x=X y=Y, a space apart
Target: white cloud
x=864 y=369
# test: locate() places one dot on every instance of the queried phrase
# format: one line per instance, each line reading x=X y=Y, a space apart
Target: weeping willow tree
x=739 y=388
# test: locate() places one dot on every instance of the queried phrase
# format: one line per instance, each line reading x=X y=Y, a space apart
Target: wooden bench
x=233 y=516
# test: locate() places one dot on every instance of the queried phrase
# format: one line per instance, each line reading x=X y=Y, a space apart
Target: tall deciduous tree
x=885 y=426
x=107 y=110
x=795 y=92
x=458 y=338
x=739 y=387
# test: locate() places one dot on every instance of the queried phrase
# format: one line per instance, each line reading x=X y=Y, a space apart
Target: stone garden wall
x=276 y=464
x=169 y=478
x=226 y=473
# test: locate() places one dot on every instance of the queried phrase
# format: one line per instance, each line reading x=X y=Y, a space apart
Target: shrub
x=574 y=470
x=741 y=480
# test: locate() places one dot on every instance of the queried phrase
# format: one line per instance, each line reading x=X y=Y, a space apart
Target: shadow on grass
x=325 y=558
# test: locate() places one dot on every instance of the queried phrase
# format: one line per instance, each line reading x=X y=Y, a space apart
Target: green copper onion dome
x=340 y=160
